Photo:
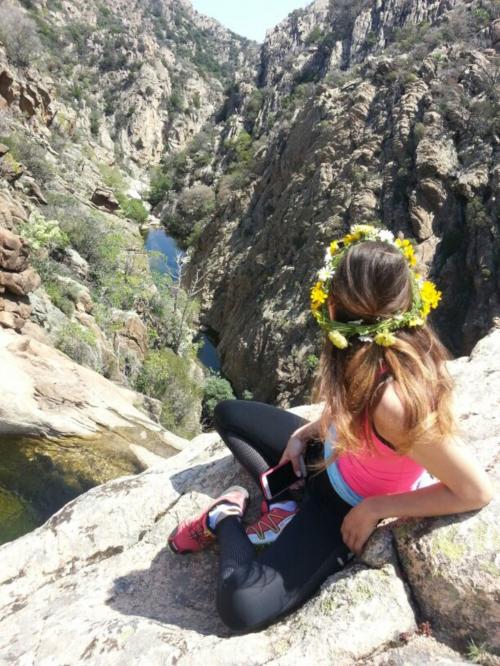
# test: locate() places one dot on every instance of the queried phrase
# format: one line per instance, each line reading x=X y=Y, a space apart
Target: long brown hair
x=373 y=280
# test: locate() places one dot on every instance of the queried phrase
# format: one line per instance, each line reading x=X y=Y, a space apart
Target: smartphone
x=277 y=479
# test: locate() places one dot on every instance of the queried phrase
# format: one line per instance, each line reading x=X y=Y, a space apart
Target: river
x=163 y=258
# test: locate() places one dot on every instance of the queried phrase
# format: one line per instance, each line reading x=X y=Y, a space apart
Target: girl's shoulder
x=389 y=416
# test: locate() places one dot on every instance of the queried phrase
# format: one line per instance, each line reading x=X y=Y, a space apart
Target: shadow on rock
x=175 y=590
x=180 y=589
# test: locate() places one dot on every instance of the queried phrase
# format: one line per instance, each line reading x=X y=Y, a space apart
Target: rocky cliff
x=97 y=584
x=365 y=111
x=91 y=97
x=349 y=111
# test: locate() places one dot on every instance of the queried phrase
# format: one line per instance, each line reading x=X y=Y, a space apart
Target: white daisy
x=386 y=235
x=325 y=274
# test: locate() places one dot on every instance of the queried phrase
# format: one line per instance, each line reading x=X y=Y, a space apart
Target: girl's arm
x=464 y=485
x=297 y=444
x=308 y=430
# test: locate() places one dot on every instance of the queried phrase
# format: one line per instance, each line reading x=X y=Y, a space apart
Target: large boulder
x=453 y=563
x=103 y=197
x=20 y=283
x=45 y=393
x=11 y=211
x=14 y=251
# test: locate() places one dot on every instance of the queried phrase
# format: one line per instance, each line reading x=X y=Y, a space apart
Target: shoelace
x=199 y=534
x=270 y=521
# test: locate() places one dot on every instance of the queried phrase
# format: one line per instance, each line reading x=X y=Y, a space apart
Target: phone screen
x=281 y=478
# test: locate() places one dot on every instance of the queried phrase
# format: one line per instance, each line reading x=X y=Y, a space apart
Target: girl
x=386 y=424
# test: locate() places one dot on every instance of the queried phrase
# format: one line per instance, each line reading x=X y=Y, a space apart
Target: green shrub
x=419 y=132
x=41 y=233
x=240 y=149
x=160 y=184
x=176 y=102
x=312 y=361
x=195 y=205
x=59 y=298
x=215 y=389
x=95 y=119
x=255 y=104
x=77 y=35
x=166 y=377
x=25 y=150
x=112 y=177
x=134 y=209
x=315 y=36
x=79 y=344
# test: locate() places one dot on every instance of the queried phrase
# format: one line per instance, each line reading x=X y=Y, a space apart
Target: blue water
x=163 y=252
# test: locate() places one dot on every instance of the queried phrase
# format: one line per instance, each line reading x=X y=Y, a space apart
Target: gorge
x=252 y=157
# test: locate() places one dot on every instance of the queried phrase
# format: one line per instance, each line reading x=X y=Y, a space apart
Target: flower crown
x=425 y=294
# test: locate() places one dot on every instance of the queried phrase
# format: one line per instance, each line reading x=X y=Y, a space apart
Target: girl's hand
x=357 y=526
x=293 y=452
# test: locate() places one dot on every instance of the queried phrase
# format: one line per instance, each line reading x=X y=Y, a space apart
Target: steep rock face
x=151 y=72
x=404 y=138
x=327 y=35
x=106 y=580
x=27 y=93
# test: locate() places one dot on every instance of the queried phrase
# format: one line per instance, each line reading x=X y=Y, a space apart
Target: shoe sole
x=172 y=534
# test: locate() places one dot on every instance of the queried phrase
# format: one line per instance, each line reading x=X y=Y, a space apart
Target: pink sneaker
x=270 y=525
x=194 y=534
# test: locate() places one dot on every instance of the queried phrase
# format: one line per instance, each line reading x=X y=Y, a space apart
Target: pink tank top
x=378 y=470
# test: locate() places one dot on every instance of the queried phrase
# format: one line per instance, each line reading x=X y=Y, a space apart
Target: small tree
x=215 y=389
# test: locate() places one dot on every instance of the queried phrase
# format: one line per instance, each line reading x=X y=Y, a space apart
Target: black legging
x=255 y=589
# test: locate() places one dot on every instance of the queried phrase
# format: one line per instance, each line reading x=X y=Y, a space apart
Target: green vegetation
x=478 y=653
x=160 y=184
x=79 y=344
x=312 y=362
x=19 y=35
x=59 y=297
x=166 y=376
x=215 y=389
x=240 y=151
x=131 y=208
x=134 y=209
x=297 y=98
x=195 y=205
x=95 y=121
x=315 y=36
x=41 y=233
x=419 y=132
x=24 y=149
x=120 y=278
